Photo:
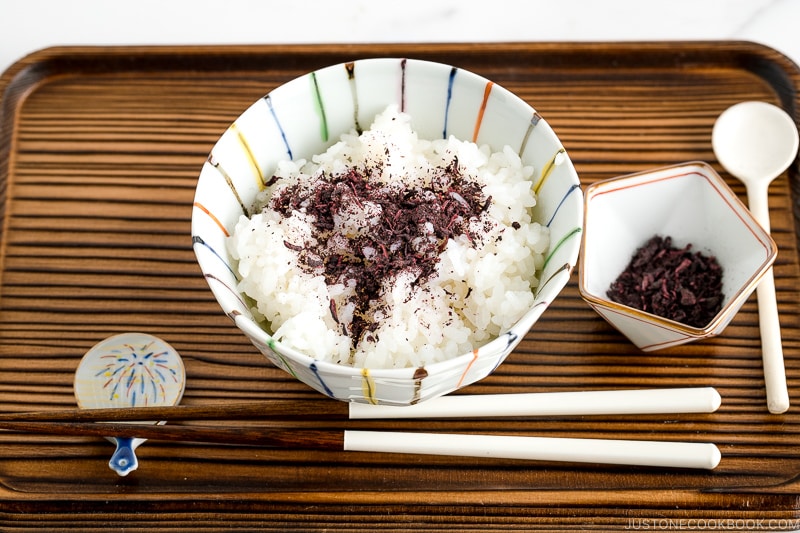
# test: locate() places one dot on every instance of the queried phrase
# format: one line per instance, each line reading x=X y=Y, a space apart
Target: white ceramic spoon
x=756 y=142
x=129 y=370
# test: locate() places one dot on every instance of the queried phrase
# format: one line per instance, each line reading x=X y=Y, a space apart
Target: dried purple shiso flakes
x=673 y=283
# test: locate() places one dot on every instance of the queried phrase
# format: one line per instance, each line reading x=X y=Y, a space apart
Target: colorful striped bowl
x=304 y=117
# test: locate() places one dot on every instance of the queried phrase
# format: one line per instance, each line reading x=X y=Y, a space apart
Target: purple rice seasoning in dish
x=673 y=283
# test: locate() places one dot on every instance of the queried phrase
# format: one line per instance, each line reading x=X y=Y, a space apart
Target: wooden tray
x=100 y=149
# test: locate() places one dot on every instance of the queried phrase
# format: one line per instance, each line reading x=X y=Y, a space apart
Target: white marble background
x=29 y=25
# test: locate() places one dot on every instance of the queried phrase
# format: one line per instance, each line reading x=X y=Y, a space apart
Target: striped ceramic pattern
x=305 y=116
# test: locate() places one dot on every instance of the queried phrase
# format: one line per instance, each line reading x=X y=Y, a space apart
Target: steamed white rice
x=479 y=289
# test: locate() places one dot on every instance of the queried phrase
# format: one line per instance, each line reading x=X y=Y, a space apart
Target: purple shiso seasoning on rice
x=390 y=251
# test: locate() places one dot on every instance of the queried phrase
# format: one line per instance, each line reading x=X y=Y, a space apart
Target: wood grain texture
x=100 y=149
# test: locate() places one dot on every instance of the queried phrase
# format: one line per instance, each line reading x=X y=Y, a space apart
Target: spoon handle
x=769 y=323
x=758 y=204
x=771 y=348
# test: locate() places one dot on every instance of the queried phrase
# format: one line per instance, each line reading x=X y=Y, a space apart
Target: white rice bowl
x=479 y=288
x=417 y=355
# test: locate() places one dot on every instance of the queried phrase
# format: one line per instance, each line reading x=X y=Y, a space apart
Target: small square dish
x=692 y=206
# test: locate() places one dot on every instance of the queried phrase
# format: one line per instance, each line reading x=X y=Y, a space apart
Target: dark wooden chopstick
x=269 y=409
x=253 y=436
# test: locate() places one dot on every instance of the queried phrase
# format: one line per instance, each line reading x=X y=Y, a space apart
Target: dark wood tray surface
x=100 y=149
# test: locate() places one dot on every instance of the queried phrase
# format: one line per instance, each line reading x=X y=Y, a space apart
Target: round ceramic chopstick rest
x=129 y=370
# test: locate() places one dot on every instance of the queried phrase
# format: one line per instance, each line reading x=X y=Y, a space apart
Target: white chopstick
x=617 y=402
x=601 y=451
